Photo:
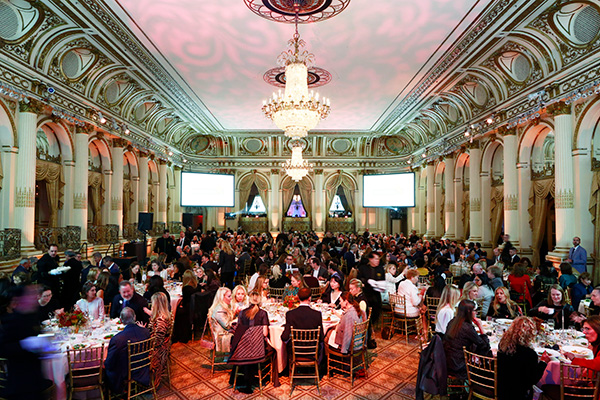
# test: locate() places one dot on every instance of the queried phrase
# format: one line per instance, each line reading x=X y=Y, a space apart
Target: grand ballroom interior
x=493 y=104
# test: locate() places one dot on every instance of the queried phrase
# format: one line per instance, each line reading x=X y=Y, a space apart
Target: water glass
x=551 y=324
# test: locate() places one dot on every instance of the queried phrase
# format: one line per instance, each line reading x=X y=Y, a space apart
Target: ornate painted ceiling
x=409 y=77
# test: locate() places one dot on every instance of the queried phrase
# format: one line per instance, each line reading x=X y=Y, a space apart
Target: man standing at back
x=47 y=263
x=578 y=256
x=116 y=359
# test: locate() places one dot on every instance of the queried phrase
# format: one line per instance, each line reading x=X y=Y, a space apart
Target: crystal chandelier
x=297 y=168
x=296 y=111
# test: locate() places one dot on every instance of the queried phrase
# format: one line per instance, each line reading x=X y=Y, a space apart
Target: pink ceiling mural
x=372 y=49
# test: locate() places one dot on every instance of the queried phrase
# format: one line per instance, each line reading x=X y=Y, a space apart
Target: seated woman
x=520 y=283
x=567 y=279
x=278 y=280
x=408 y=289
x=446 y=308
x=156 y=285
x=182 y=331
x=344 y=330
x=262 y=287
x=438 y=285
x=239 y=300
x=503 y=306
x=157 y=269
x=582 y=289
x=246 y=349
x=136 y=274
x=391 y=281
x=485 y=292
x=518 y=365
x=89 y=303
x=221 y=317
x=546 y=276
x=297 y=283
x=333 y=293
x=591 y=329
x=461 y=333
x=160 y=328
x=554 y=308
x=470 y=292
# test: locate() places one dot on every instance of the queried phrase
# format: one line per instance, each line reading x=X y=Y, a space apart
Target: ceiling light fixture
x=296 y=111
x=101 y=118
x=297 y=168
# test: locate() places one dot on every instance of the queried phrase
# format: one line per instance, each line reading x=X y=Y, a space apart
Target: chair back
x=449 y=280
x=424 y=279
x=398 y=303
x=432 y=306
x=359 y=336
x=85 y=368
x=315 y=293
x=139 y=356
x=578 y=383
x=305 y=344
x=422 y=333
x=276 y=293
x=481 y=373
x=107 y=309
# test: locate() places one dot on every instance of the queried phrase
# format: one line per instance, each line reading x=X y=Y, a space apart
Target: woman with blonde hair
x=518 y=365
x=446 y=308
x=227 y=264
x=220 y=317
x=503 y=306
x=160 y=326
x=239 y=300
x=470 y=291
x=182 y=331
x=93 y=274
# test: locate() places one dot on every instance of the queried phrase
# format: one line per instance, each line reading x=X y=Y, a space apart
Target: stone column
x=80 y=181
x=162 y=191
x=143 y=185
x=475 y=192
x=320 y=208
x=430 y=199
x=116 y=187
x=360 y=214
x=25 y=172
x=449 y=208
x=7 y=194
x=274 y=212
x=176 y=203
x=563 y=180
x=438 y=223
x=421 y=226
x=65 y=215
x=511 y=186
x=525 y=234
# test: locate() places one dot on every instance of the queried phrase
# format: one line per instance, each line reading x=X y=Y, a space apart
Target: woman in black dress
x=518 y=365
x=182 y=330
x=554 y=308
x=503 y=306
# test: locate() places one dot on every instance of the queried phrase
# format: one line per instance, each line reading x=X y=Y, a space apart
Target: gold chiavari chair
x=432 y=306
x=85 y=370
x=276 y=293
x=400 y=321
x=305 y=348
x=482 y=375
x=315 y=293
x=576 y=383
x=214 y=354
x=139 y=357
x=355 y=359
x=107 y=309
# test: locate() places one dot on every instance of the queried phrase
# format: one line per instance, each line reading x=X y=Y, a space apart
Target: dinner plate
x=551 y=353
x=504 y=321
x=578 y=351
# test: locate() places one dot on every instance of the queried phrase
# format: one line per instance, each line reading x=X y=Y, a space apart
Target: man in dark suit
x=116 y=359
x=47 y=263
x=208 y=264
x=110 y=265
x=71 y=280
x=183 y=240
x=127 y=297
x=165 y=244
x=288 y=265
x=513 y=258
x=318 y=271
x=303 y=317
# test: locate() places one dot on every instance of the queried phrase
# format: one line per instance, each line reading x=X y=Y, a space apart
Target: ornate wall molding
x=475 y=205
x=80 y=201
x=25 y=197
x=564 y=199
x=511 y=202
x=116 y=203
x=450 y=207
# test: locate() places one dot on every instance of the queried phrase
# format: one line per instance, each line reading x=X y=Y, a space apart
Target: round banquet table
x=277 y=312
x=56 y=366
x=173 y=288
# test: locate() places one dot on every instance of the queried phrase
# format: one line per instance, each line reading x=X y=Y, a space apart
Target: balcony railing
x=131 y=232
x=175 y=227
x=254 y=225
x=65 y=237
x=10 y=244
x=157 y=229
x=103 y=234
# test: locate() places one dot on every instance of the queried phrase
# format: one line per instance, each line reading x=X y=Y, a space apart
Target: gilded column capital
x=504 y=131
x=473 y=145
x=142 y=153
x=152 y=156
x=118 y=142
x=161 y=162
x=318 y=172
x=31 y=106
x=559 y=108
x=275 y=171
x=430 y=163
x=178 y=168
x=85 y=129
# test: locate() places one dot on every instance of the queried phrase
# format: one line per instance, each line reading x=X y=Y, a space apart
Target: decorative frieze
x=25 y=197
x=116 y=204
x=142 y=204
x=475 y=205
x=564 y=199
x=559 y=108
x=430 y=207
x=79 y=201
x=31 y=106
x=450 y=206
x=511 y=202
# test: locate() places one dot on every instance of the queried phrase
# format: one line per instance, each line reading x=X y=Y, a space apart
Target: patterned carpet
x=392 y=375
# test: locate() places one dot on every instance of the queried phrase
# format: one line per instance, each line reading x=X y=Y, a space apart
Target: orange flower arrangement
x=74 y=318
x=291 y=301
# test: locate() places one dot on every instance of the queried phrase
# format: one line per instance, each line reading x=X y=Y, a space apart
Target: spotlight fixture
x=467 y=133
x=126 y=130
x=101 y=118
x=490 y=120
x=184 y=160
x=424 y=155
x=170 y=153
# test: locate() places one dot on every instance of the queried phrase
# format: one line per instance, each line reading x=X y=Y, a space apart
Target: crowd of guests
x=227 y=277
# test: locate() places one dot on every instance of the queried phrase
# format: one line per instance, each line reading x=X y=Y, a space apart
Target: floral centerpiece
x=291 y=301
x=75 y=319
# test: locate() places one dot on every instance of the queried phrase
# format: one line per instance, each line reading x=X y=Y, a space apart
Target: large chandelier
x=296 y=111
x=297 y=168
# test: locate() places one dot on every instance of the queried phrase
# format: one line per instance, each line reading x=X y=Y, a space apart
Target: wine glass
x=551 y=324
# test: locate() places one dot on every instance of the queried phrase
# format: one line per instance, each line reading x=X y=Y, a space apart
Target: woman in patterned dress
x=161 y=324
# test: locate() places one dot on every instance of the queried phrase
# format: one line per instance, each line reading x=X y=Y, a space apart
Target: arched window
x=339 y=205
x=296 y=208
x=254 y=204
